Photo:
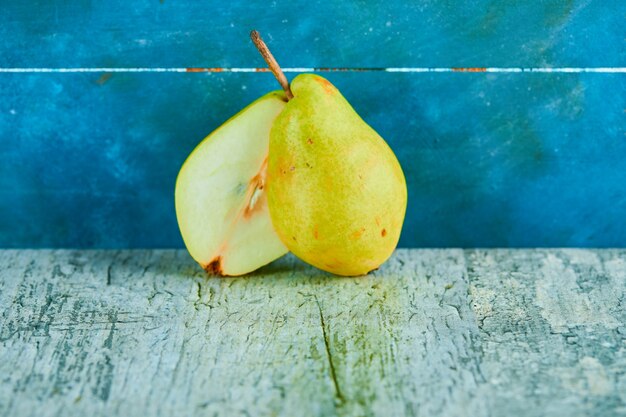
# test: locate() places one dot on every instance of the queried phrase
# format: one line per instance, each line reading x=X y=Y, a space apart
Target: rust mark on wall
x=196 y=69
x=104 y=78
x=469 y=69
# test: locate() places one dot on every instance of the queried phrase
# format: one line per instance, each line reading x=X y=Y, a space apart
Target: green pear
x=336 y=192
x=221 y=202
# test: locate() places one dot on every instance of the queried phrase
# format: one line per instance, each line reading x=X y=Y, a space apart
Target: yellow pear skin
x=336 y=192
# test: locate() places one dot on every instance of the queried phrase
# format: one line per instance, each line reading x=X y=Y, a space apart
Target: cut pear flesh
x=221 y=201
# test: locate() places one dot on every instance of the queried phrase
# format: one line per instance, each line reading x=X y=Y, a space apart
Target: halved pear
x=221 y=201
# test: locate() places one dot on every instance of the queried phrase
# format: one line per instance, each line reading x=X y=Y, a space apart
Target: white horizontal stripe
x=298 y=70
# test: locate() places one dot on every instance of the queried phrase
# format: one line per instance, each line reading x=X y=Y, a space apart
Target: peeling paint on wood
x=432 y=332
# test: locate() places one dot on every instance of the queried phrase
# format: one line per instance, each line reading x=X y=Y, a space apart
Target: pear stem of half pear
x=271 y=62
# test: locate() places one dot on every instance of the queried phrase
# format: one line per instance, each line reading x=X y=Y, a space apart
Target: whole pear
x=336 y=192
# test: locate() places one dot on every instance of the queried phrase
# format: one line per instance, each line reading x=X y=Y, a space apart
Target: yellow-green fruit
x=336 y=192
x=221 y=203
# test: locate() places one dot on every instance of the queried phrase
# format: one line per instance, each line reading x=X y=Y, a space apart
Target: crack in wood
x=329 y=356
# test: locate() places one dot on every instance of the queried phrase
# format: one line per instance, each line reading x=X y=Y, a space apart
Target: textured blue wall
x=90 y=160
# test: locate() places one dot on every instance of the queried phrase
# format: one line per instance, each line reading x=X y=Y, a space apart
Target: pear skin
x=336 y=192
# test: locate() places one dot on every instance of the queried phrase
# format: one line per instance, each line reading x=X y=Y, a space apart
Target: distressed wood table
x=433 y=332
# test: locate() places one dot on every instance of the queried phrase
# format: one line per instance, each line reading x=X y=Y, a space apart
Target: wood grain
x=433 y=332
x=491 y=160
x=305 y=33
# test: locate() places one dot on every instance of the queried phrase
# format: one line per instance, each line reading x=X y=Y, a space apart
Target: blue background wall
x=90 y=160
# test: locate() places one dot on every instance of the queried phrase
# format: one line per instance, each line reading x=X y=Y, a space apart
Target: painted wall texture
x=516 y=159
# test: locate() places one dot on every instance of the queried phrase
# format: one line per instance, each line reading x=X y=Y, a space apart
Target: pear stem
x=271 y=62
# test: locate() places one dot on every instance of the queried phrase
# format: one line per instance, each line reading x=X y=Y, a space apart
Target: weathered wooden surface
x=312 y=33
x=433 y=332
